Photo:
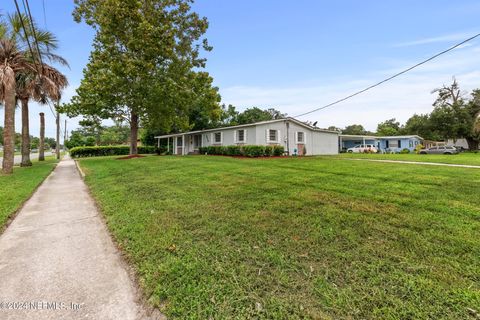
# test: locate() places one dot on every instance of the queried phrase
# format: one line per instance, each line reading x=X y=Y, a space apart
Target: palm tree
x=40 y=86
x=12 y=62
x=42 y=83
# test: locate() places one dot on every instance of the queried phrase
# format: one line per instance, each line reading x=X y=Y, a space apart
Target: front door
x=179 y=145
x=197 y=142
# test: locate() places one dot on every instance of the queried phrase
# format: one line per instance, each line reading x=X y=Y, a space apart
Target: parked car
x=363 y=148
x=439 y=150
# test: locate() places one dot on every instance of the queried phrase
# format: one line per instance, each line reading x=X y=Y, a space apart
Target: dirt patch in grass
x=131 y=156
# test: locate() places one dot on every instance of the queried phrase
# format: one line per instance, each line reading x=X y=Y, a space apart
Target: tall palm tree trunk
x=25 y=134
x=9 y=124
x=133 y=133
x=41 y=147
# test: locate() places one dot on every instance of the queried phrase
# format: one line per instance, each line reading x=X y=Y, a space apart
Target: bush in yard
x=100 y=151
x=278 y=151
x=268 y=151
x=418 y=147
x=405 y=151
x=233 y=150
x=254 y=151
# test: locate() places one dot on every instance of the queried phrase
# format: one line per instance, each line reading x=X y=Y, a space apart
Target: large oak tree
x=144 y=64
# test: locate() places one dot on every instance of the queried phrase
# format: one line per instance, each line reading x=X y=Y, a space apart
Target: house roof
x=401 y=137
x=353 y=136
x=300 y=123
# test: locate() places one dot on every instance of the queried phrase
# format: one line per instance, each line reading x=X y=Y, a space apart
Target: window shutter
x=235 y=137
x=245 y=135
x=278 y=137
x=267 y=138
x=296 y=136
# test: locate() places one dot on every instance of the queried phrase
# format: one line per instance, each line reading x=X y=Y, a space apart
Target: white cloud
x=430 y=40
x=400 y=98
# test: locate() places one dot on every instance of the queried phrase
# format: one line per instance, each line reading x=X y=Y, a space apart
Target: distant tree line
x=455 y=115
x=34 y=141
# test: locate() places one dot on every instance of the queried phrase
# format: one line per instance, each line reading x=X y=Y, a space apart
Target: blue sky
x=299 y=55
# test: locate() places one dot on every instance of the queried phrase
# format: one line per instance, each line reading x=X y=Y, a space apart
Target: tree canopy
x=144 y=64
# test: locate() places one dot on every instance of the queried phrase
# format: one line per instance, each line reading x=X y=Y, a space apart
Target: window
x=272 y=135
x=240 y=136
x=399 y=143
x=410 y=143
x=179 y=141
x=217 y=137
x=300 y=137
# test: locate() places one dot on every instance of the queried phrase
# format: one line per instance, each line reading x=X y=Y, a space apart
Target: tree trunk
x=41 y=147
x=133 y=133
x=9 y=124
x=472 y=144
x=25 y=135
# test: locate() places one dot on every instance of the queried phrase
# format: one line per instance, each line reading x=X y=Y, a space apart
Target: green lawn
x=16 y=188
x=462 y=158
x=312 y=238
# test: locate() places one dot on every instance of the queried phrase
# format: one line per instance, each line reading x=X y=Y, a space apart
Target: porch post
x=183 y=145
x=168 y=144
x=158 y=144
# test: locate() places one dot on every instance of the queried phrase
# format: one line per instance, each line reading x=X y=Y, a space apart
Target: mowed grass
x=16 y=188
x=306 y=238
x=462 y=158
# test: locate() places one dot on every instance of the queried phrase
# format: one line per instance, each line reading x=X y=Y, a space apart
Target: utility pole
x=58 y=133
x=65 y=136
x=41 y=148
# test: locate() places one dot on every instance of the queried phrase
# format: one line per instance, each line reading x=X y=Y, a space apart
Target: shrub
x=268 y=151
x=418 y=147
x=405 y=151
x=278 y=151
x=248 y=151
x=254 y=151
x=100 y=151
x=233 y=150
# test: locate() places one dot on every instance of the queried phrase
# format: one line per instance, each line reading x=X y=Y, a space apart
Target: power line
x=32 y=26
x=44 y=14
x=390 y=78
x=25 y=32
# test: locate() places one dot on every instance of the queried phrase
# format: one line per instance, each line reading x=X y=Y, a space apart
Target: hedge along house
x=295 y=136
x=383 y=143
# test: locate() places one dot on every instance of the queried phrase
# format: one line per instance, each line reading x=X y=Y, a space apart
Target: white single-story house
x=383 y=143
x=295 y=136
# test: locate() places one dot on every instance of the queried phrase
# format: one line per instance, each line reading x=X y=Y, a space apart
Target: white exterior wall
x=228 y=137
x=324 y=143
x=316 y=142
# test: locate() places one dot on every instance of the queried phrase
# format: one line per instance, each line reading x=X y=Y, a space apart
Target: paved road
x=420 y=163
x=18 y=158
x=57 y=250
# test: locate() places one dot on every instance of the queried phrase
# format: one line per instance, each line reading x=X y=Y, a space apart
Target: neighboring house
x=295 y=136
x=432 y=143
x=383 y=143
x=461 y=142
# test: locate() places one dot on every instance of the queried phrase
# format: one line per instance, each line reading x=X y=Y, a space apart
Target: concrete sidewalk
x=57 y=260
